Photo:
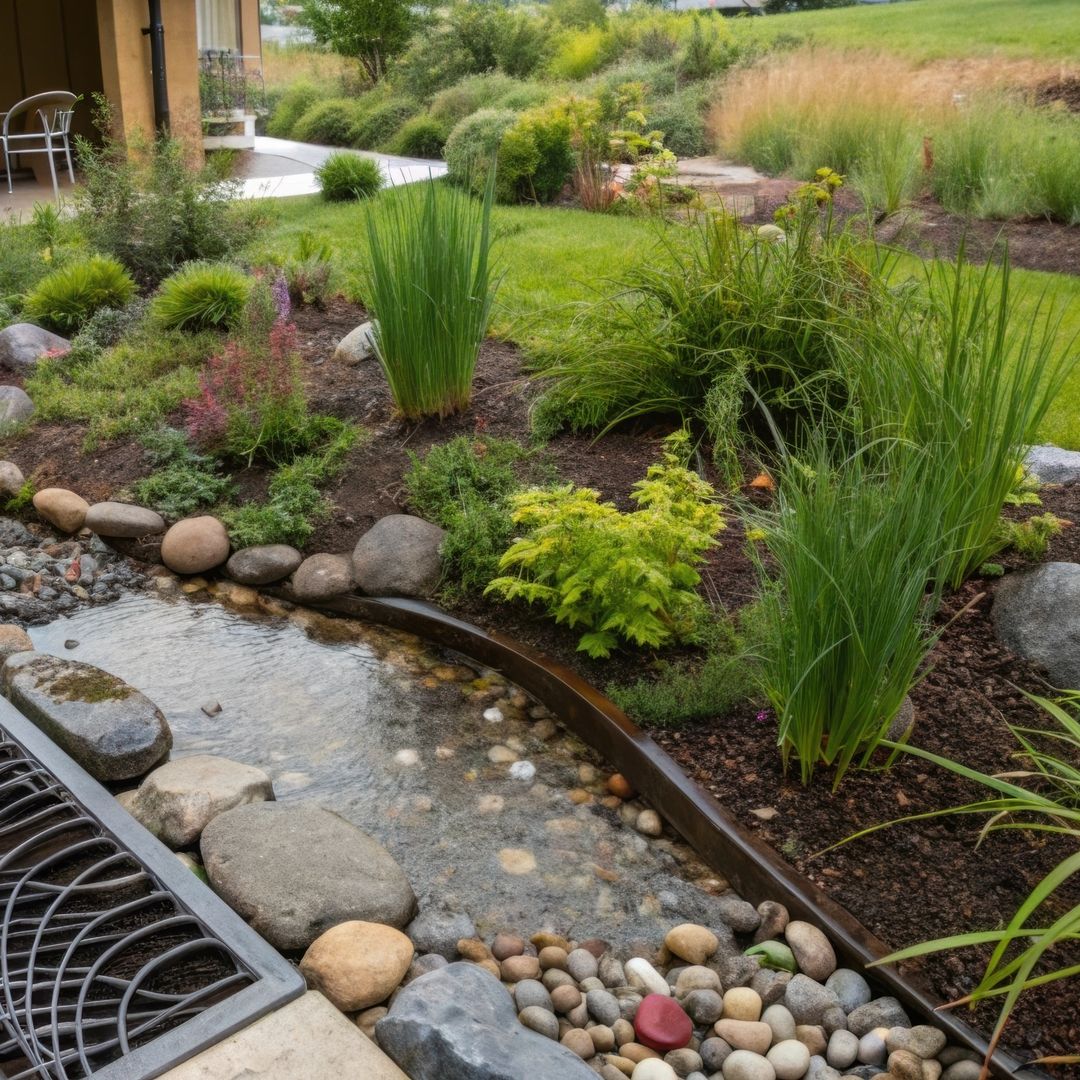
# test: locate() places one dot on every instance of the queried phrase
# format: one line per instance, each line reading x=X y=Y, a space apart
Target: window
x=218 y=24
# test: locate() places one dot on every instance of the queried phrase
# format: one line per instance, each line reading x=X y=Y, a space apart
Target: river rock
x=694 y=944
x=123 y=520
x=773 y=918
x=661 y=1024
x=1037 y=614
x=742 y=1003
x=357 y=964
x=293 y=870
x=399 y=556
x=884 y=1012
x=195 y=545
x=653 y=1069
x=739 y=914
x=460 y=1022
x=843 y=1049
x=436 y=930
x=744 y=1065
x=745 y=1034
x=790 y=1059
x=263 y=564
x=13 y=639
x=11 y=479
x=357 y=345
x=322 y=577
x=812 y=950
x=540 y=1020
x=107 y=726
x=1052 y=465
x=642 y=974
x=179 y=799
x=820 y=1069
x=923 y=1041
x=704 y=1007
x=62 y=508
x=22 y=345
x=15 y=407
x=807 y=1000
x=850 y=988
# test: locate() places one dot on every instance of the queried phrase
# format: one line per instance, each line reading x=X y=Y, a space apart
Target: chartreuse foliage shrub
x=465 y=486
x=473 y=146
x=68 y=297
x=617 y=577
x=345 y=176
x=1041 y=796
x=202 y=296
x=852 y=541
x=421 y=136
x=328 y=122
x=429 y=288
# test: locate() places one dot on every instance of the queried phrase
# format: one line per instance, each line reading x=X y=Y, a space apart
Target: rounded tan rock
x=62 y=508
x=357 y=964
x=195 y=545
x=692 y=943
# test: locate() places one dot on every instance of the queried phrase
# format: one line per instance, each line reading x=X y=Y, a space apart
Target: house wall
x=50 y=45
x=125 y=65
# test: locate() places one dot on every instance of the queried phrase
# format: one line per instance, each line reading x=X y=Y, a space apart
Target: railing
x=230 y=84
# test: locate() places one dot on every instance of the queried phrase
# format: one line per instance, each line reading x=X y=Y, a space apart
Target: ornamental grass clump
x=429 y=287
x=202 y=296
x=852 y=542
x=68 y=297
x=618 y=577
x=1041 y=796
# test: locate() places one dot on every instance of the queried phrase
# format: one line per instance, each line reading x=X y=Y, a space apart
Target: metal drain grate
x=116 y=962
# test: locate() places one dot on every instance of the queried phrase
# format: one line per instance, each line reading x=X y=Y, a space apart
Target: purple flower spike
x=280 y=292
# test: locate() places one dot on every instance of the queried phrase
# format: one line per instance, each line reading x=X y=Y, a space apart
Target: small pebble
x=540 y=1020
x=648 y=823
x=582 y=964
x=493 y=715
x=579 y=1042
x=523 y=770
x=790 y=1059
x=743 y=1065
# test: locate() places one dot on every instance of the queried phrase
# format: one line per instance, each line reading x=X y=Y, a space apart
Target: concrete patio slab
x=307 y=1040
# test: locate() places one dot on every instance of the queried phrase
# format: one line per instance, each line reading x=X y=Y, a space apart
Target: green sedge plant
x=429 y=286
x=617 y=577
x=1040 y=797
x=202 y=296
x=852 y=540
x=68 y=297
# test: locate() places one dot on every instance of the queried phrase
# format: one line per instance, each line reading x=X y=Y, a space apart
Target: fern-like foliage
x=618 y=577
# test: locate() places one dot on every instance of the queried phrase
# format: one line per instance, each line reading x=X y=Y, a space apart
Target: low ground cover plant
x=466 y=486
x=429 y=286
x=202 y=296
x=616 y=577
x=66 y=299
x=183 y=481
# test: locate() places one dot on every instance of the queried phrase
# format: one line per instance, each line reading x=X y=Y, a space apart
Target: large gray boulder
x=1052 y=465
x=460 y=1023
x=263 y=564
x=398 y=556
x=322 y=577
x=295 y=870
x=123 y=520
x=1037 y=615
x=22 y=345
x=15 y=407
x=108 y=727
x=179 y=799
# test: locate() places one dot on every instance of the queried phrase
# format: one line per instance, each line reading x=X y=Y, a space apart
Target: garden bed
x=960 y=706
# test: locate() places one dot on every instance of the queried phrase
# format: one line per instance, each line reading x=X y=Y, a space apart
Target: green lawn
x=554 y=260
x=934 y=29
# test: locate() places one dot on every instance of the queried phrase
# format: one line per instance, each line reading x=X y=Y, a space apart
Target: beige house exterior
x=101 y=46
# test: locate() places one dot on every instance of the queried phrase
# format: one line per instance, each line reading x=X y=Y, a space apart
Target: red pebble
x=662 y=1025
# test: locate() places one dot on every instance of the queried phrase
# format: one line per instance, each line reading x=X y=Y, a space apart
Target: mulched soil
x=906 y=884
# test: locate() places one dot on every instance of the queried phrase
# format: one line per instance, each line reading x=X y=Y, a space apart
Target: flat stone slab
x=294 y=870
x=308 y=1039
x=179 y=799
x=108 y=727
x=460 y=1023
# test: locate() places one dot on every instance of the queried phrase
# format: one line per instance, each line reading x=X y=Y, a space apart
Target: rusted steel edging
x=752 y=867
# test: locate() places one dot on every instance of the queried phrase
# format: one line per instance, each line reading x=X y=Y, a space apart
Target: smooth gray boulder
x=460 y=1023
x=123 y=520
x=357 y=345
x=11 y=479
x=15 y=407
x=322 y=577
x=293 y=870
x=1037 y=615
x=437 y=930
x=398 y=556
x=263 y=564
x=108 y=727
x=179 y=799
x=22 y=345
x=1052 y=465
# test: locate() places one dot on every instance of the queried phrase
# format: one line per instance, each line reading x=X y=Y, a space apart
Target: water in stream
x=390 y=733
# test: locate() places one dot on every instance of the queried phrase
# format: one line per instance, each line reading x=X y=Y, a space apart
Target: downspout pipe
x=156 y=32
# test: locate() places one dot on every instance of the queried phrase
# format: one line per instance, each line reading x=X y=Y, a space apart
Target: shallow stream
x=392 y=734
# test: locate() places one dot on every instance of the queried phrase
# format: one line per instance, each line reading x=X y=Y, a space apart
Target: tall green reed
x=430 y=287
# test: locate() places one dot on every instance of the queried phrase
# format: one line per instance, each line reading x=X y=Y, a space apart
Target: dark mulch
x=961 y=704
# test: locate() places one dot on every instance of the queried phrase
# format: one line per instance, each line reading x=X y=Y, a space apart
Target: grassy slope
x=934 y=29
x=556 y=259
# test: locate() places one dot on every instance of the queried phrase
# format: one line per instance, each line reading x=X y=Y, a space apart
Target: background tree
x=374 y=31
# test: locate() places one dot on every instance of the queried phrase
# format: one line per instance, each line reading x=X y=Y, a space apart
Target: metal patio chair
x=46 y=130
